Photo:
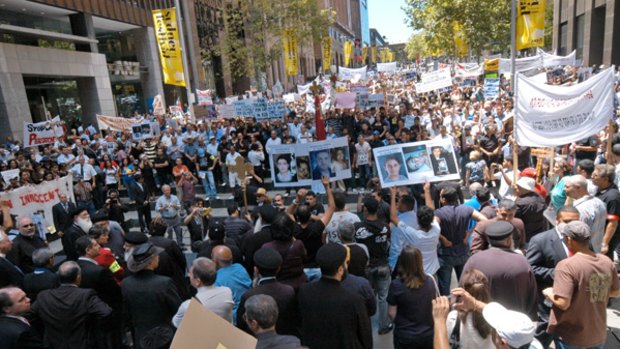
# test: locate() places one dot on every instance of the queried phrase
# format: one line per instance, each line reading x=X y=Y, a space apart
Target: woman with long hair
x=558 y=176
x=410 y=302
x=474 y=331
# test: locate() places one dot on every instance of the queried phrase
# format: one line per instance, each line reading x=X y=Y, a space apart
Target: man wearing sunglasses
x=24 y=244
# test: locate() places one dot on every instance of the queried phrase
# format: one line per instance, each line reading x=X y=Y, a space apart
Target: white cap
x=516 y=328
x=527 y=183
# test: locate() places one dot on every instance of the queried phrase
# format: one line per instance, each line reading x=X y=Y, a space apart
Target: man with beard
x=80 y=227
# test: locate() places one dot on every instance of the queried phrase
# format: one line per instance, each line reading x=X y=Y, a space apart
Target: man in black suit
x=10 y=274
x=80 y=226
x=261 y=316
x=24 y=244
x=267 y=262
x=544 y=252
x=42 y=278
x=102 y=281
x=61 y=214
x=331 y=316
x=151 y=300
x=141 y=194
x=69 y=311
x=158 y=230
x=15 y=330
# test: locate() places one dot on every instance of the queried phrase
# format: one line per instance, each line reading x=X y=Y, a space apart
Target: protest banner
x=204 y=97
x=434 y=81
x=258 y=108
x=40 y=133
x=301 y=164
x=550 y=60
x=9 y=174
x=389 y=68
x=530 y=24
x=417 y=162
x=347 y=48
x=303 y=89
x=375 y=100
x=490 y=89
x=36 y=201
x=491 y=65
x=167 y=35
x=158 y=106
x=326 y=45
x=350 y=74
x=220 y=334
x=521 y=64
x=145 y=129
x=289 y=43
x=549 y=115
x=345 y=100
x=468 y=70
x=113 y=123
x=291 y=97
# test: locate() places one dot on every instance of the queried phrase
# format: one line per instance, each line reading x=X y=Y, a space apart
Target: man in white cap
x=582 y=286
x=530 y=207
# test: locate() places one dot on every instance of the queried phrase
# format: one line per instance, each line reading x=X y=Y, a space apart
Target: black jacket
x=62 y=220
x=151 y=300
x=102 y=281
x=16 y=334
x=10 y=274
x=544 y=252
x=68 y=313
x=39 y=280
x=140 y=195
x=68 y=241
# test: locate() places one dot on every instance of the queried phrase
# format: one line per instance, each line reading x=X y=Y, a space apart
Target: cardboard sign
x=202 y=328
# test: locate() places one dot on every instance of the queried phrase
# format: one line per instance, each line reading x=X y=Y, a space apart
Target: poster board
x=202 y=328
x=44 y=132
x=295 y=165
x=417 y=162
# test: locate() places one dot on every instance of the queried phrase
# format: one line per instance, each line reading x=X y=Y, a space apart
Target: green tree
x=254 y=31
x=416 y=46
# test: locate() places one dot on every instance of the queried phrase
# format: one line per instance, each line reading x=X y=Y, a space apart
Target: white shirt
x=362 y=153
x=331 y=229
x=256 y=157
x=426 y=242
x=87 y=173
x=217 y=299
x=271 y=142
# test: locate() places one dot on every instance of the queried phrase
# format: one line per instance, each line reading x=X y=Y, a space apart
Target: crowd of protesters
x=533 y=257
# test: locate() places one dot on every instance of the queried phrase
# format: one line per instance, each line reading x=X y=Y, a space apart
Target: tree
x=416 y=46
x=254 y=30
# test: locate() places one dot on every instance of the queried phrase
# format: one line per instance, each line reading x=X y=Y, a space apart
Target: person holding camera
x=187 y=186
x=168 y=206
x=116 y=209
x=197 y=220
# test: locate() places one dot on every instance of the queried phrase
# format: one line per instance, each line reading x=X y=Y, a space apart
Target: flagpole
x=513 y=55
x=184 y=52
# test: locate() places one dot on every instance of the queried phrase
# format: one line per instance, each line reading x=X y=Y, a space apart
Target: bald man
x=231 y=275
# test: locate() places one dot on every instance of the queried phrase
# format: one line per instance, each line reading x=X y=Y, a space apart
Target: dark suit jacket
x=68 y=241
x=151 y=301
x=38 y=281
x=21 y=253
x=68 y=313
x=250 y=243
x=544 y=252
x=102 y=281
x=172 y=249
x=15 y=334
x=284 y=295
x=141 y=195
x=10 y=274
x=62 y=221
x=272 y=340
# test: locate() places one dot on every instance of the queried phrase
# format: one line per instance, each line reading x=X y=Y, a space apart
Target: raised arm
x=331 y=204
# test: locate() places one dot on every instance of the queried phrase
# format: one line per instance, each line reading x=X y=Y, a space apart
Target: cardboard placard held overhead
x=201 y=328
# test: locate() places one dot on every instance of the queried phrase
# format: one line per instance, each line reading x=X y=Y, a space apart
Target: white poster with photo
x=549 y=115
x=491 y=89
x=389 y=68
x=10 y=174
x=351 y=74
x=296 y=165
x=37 y=201
x=434 y=81
x=418 y=162
x=146 y=129
x=40 y=133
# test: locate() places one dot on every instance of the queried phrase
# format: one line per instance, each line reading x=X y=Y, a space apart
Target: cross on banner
x=242 y=169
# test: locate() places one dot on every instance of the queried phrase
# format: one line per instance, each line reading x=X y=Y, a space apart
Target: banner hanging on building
x=44 y=132
x=289 y=42
x=549 y=115
x=364 y=54
x=347 y=47
x=301 y=164
x=530 y=23
x=434 y=81
x=36 y=201
x=418 y=162
x=326 y=44
x=167 y=35
x=373 y=54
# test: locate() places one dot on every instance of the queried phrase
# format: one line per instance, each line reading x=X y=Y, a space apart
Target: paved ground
x=382 y=341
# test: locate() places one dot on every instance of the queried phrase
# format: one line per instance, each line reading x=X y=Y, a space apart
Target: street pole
x=188 y=85
x=513 y=56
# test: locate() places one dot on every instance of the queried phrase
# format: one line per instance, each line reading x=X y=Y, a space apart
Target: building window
x=563 y=39
x=579 y=35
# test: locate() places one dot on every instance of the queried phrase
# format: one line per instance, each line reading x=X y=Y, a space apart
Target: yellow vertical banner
x=348 y=50
x=327 y=53
x=167 y=35
x=390 y=56
x=491 y=64
x=289 y=43
x=460 y=40
x=373 y=54
x=530 y=23
x=364 y=54
x=383 y=55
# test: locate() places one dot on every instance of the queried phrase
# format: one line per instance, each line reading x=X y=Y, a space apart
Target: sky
x=389 y=19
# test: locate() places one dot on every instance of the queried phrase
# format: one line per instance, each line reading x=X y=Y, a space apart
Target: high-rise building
x=347 y=26
x=590 y=27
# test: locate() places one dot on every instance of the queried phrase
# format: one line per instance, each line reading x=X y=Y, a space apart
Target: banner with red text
x=114 y=123
x=549 y=115
x=40 y=133
x=36 y=201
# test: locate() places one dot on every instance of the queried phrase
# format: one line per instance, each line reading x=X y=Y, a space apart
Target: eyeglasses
x=28 y=225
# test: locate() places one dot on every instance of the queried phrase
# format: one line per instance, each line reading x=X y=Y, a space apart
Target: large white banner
x=351 y=74
x=389 y=68
x=550 y=60
x=434 y=81
x=114 y=123
x=302 y=164
x=36 y=201
x=40 y=133
x=549 y=115
x=418 y=162
x=521 y=64
x=468 y=70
